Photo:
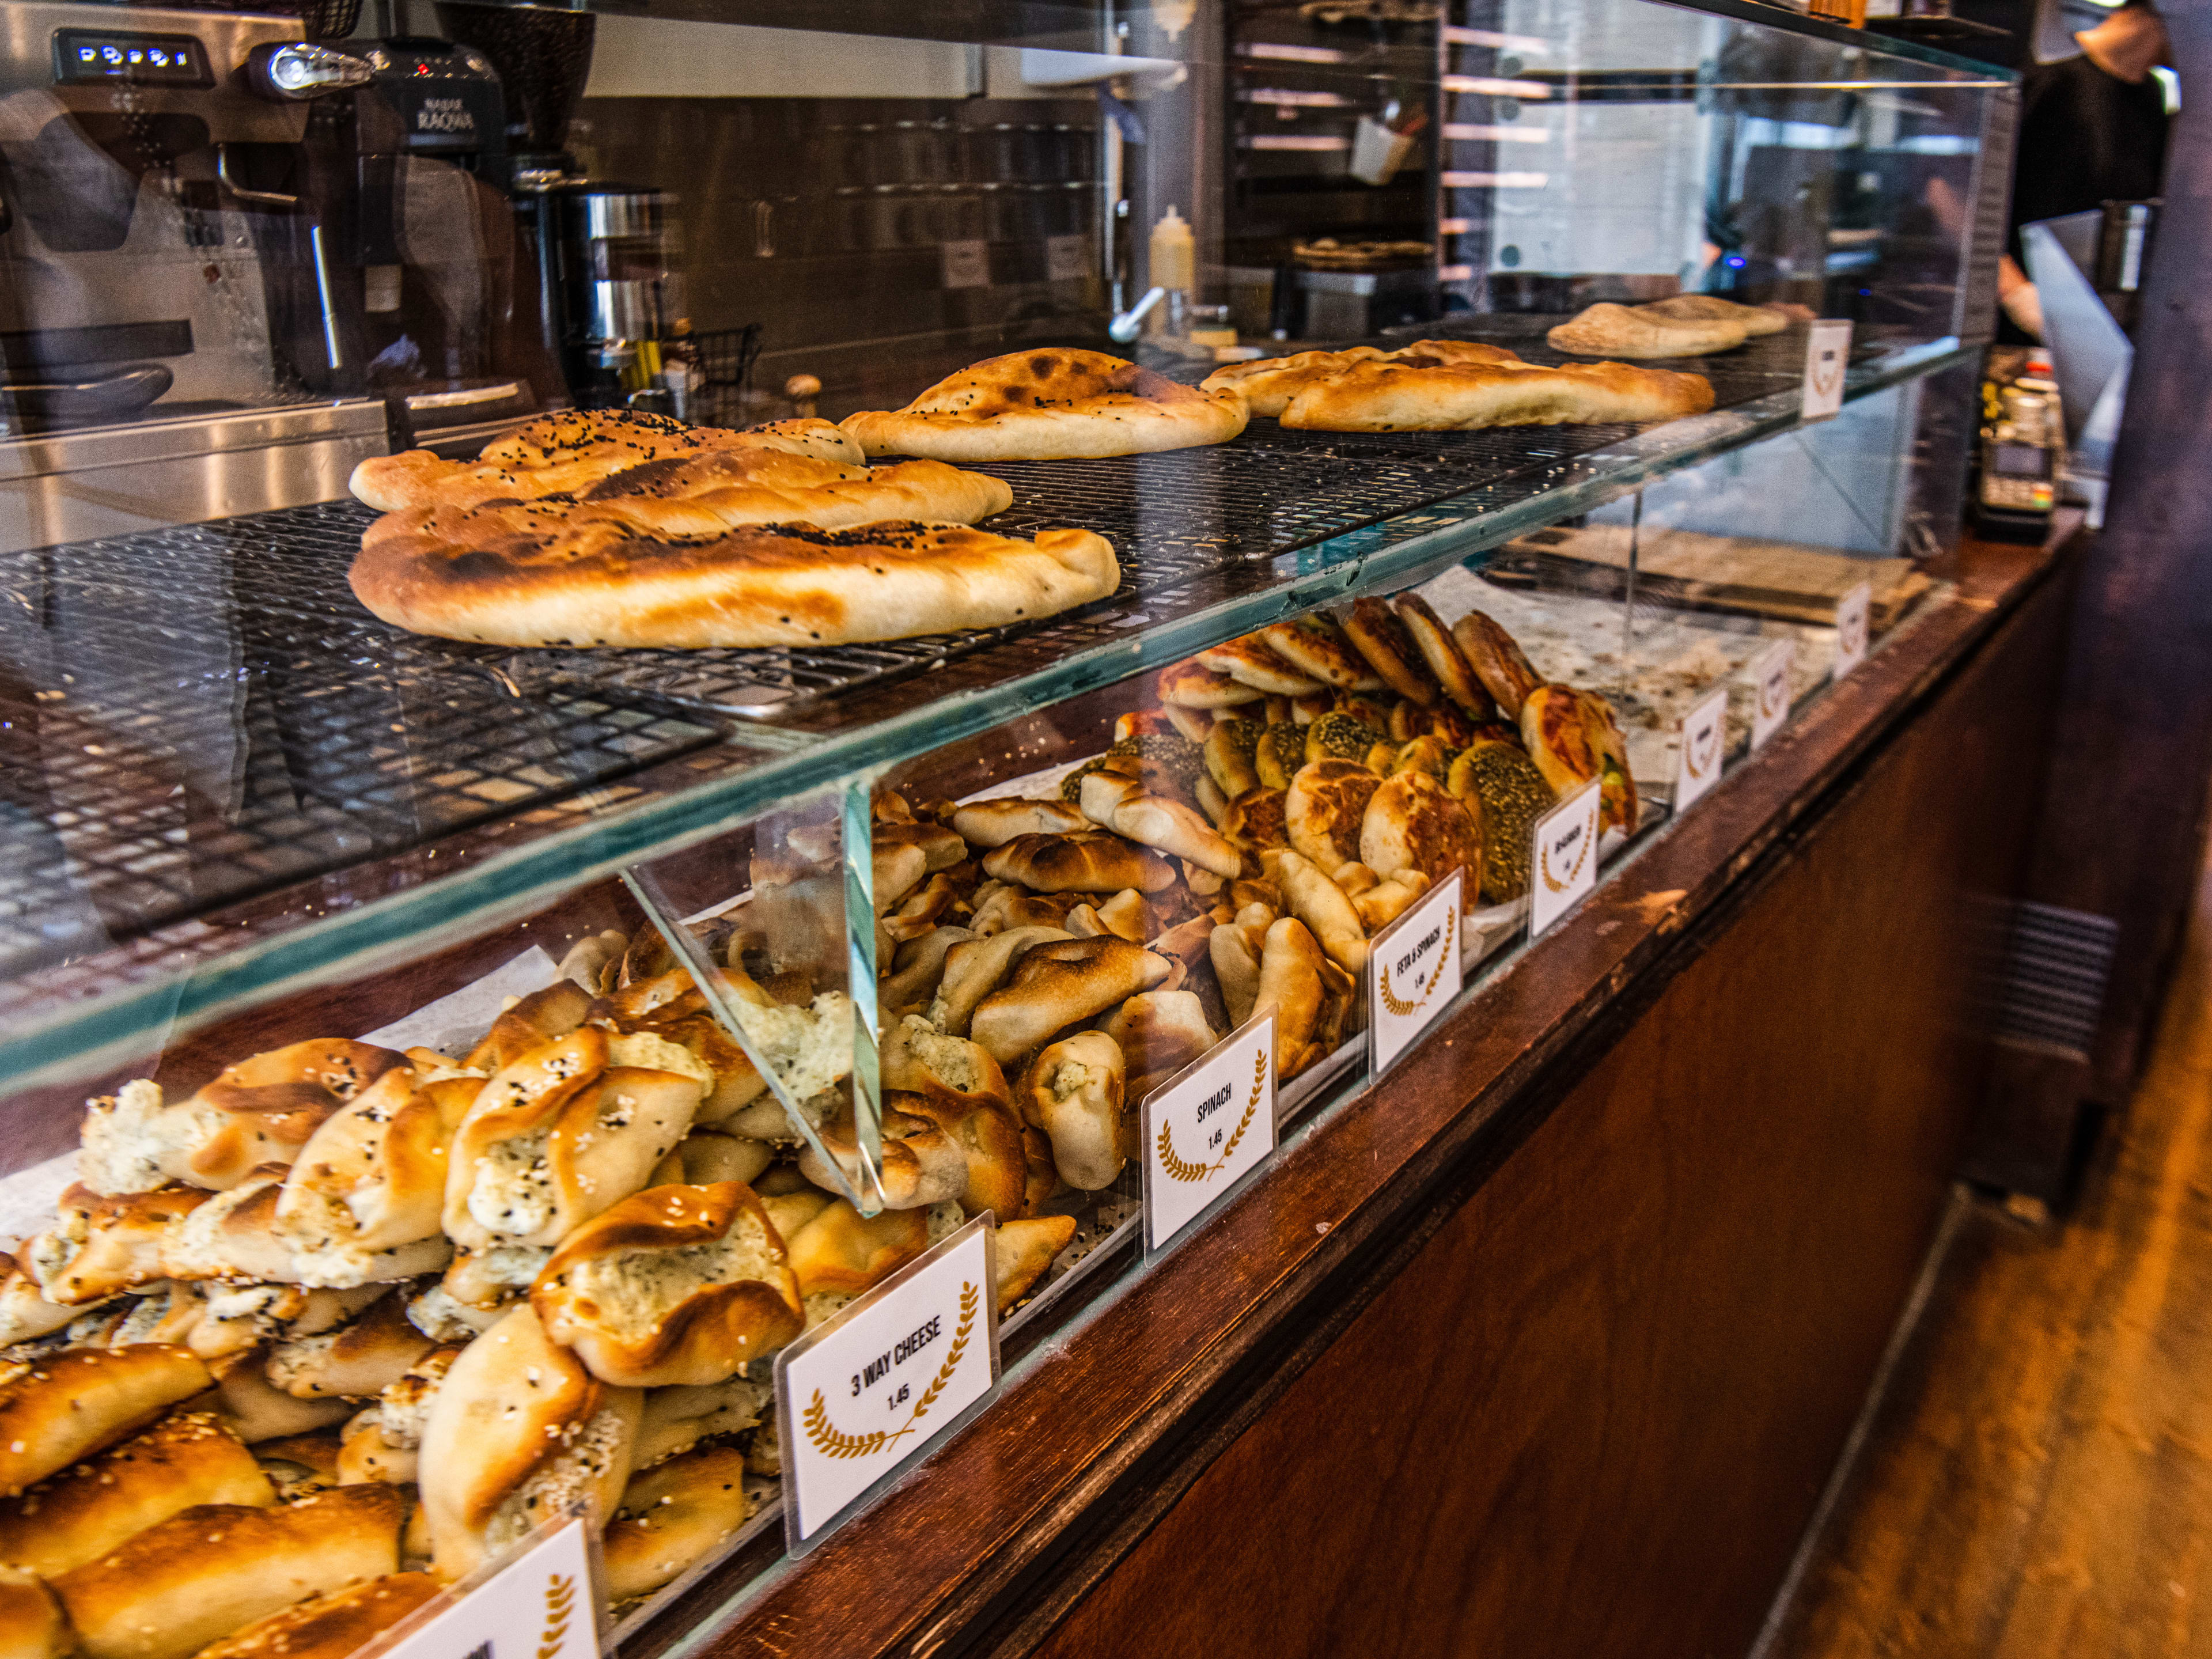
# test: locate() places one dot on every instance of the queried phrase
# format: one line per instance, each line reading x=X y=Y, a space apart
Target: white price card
x=858 y=1398
x=1413 y=968
x=1851 y=629
x=1066 y=257
x=1704 y=745
x=1563 y=861
x=539 y=1601
x=1827 y=355
x=1207 y=1126
x=1769 y=689
x=966 y=264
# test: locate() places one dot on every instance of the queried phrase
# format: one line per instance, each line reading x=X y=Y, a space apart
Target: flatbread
x=1611 y=331
x=568 y=452
x=1386 y=396
x=1270 y=383
x=1052 y=404
x=1757 y=320
x=777 y=585
x=705 y=495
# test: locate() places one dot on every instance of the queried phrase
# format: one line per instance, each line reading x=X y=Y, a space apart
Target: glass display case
x=386 y=1003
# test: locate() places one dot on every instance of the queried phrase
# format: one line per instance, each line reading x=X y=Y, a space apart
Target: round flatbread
x=1445 y=660
x=599 y=585
x=1316 y=646
x=1389 y=650
x=1415 y=397
x=1050 y=405
x=1757 y=320
x=1611 y=331
x=1269 y=383
x=568 y=452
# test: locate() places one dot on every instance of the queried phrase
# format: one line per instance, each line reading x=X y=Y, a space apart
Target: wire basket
x=724 y=359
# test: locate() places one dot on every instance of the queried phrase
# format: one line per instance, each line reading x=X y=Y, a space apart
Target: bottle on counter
x=1174 y=266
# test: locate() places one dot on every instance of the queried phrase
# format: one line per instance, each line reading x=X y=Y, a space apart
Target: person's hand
x=2017 y=296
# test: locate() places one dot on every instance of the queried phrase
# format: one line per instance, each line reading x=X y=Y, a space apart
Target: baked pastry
x=1316 y=647
x=671 y=1517
x=1289 y=986
x=1256 y=663
x=567 y=452
x=974 y=969
x=1051 y=404
x=518 y=1431
x=1381 y=638
x=206 y=1571
x=1162 y=824
x=81 y=1513
x=32 y=1624
x=363 y=1357
x=257 y=1411
x=234 y=1237
x=554 y=1011
x=1513 y=796
x=994 y=822
x=1443 y=656
x=1324 y=808
x=840 y=1253
x=1318 y=901
x=706 y=493
x=1503 y=667
x=563 y=1133
x=1615 y=331
x=1618 y=806
x=101 y=1246
x=1257 y=819
x=1385 y=903
x=1229 y=752
x=1159 y=1033
x=1189 y=685
x=1269 y=383
x=1757 y=320
x=1414 y=822
x=674 y=1286
x=259 y=1111
x=677 y=1419
x=1087 y=862
x=1075 y=1092
x=1058 y=984
x=920 y=1165
x=554 y=583
x=70 y=1404
x=917 y=969
x=330 y=1626
x=26 y=1314
x=1021 y=1251
x=1399 y=397
x=372 y=1177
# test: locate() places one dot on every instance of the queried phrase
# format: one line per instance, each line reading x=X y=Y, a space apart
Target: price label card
x=1851 y=612
x=539 y=1601
x=858 y=1399
x=1066 y=257
x=1413 y=968
x=1704 y=745
x=1827 y=354
x=1205 y=1126
x=966 y=264
x=1770 y=679
x=1563 y=862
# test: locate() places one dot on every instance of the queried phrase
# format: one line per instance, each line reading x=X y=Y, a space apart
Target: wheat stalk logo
x=832 y=1442
x=1179 y=1169
x=1705 y=749
x=1400 y=1005
x=560 y=1602
x=1560 y=884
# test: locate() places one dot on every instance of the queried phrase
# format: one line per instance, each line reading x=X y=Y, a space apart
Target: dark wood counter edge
x=984 y=1547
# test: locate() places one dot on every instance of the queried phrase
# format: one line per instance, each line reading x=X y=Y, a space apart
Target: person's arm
x=2018 y=297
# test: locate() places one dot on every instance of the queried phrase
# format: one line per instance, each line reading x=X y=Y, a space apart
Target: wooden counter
x=1548 y=1344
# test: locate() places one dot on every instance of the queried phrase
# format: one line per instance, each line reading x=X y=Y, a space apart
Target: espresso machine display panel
x=83 y=56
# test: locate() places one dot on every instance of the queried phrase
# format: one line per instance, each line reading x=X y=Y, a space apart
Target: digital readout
x=81 y=56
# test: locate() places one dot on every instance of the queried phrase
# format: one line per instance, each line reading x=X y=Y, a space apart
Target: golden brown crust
x=672 y=1515
x=1323 y=807
x=1057 y=984
x=1188 y=686
x=32 y=1624
x=1051 y=404
x=1256 y=663
x=1557 y=731
x=568 y=452
x=1374 y=628
x=597 y=584
x=83 y=1511
x=1757 y=320
x=1022 y=1249
x=1401 y=397
x=207 y=1571
x=1606 y=330
x=286 y=1093
x=1414 y=822
x=1498 y=662
x=100 y=1246
x=1257 y=819
x=1269 y=383
x=839 y=1252
x=1444 y=657
x=743 y=1305
x=1318 y=647
x=70 y=1404
x=1092 y=861
x=330 y=1626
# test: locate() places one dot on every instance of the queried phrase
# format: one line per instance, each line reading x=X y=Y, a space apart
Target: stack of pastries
x=338 y=1327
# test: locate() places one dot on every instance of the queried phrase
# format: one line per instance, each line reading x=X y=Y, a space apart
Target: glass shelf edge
x=1786 y=22
x=87 y=1039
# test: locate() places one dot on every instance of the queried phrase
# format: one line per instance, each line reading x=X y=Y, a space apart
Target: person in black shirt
x=2092 y=131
